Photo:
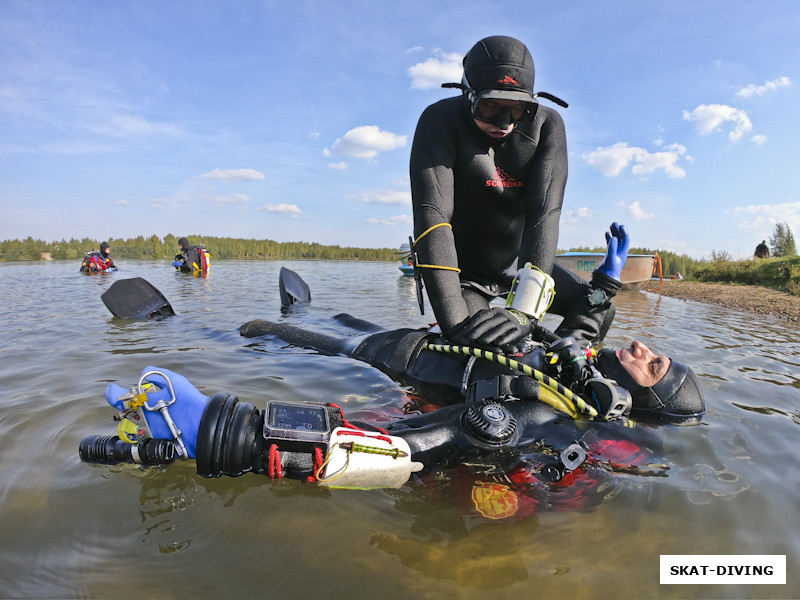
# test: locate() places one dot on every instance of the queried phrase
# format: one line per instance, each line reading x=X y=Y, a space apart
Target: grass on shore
x=776 y=273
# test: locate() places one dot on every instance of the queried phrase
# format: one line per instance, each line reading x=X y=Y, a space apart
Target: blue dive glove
x=618 y=245
x=186 y=411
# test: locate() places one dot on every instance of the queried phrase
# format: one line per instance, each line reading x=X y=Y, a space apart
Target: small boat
x=404 y=254
x=635 y=275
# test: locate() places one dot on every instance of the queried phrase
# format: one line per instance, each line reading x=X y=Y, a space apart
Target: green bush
x=778 y=273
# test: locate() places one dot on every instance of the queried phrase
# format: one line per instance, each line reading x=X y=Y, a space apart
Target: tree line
x=154 y=247
x=221 y=248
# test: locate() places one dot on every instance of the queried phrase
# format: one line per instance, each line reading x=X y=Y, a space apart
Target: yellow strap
x=422 y=235
x=429 y=229
x=456 y=269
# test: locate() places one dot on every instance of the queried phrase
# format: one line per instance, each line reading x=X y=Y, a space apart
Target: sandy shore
x=759 y=300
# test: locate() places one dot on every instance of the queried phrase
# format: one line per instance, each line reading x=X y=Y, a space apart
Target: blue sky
x=294 y=120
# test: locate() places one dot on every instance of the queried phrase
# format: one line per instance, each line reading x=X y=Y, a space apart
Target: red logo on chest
x=502 y=179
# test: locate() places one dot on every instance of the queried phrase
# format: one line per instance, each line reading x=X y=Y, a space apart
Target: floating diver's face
x=655 y=382
x=643 y=365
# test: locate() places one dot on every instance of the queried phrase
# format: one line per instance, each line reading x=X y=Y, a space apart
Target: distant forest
x=155 y=248
x=220 y=248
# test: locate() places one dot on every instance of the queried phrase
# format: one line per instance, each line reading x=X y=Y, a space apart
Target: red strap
x=317 y=464
x=274 y=462
x=366 y=434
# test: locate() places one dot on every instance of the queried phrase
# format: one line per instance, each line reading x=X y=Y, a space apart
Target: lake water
x=70 y=529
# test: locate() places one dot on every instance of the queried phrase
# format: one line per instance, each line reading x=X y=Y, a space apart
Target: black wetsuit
x=402 y=352
x=502 y=197
x=191 y=260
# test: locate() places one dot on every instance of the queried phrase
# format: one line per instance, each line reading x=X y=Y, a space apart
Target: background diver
x=96 y=262
x=192 y=258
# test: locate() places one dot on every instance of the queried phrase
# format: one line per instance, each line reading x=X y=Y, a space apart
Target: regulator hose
x=570 y=403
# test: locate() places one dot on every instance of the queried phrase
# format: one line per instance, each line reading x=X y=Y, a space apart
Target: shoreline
x=748 y=298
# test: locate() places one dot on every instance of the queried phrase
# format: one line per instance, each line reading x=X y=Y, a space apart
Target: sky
x=293 y=121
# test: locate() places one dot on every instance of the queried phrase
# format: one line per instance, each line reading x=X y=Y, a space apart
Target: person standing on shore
x=762 y=250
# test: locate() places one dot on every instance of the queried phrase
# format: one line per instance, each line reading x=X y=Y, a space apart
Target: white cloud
x=759 y=139
x=366 y=142
x=760 y=90
x=762 y=217
x=339 y=166
x=291 y=210
x=399 y=198
x=396 y=220
x=433 y=72
x=711 y=117
x=637 y=213
x=612 y=160
x=579 y=214
x=234 y=174
x=122 y=203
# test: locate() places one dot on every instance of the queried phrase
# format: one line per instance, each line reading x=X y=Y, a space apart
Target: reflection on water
x=727 y=486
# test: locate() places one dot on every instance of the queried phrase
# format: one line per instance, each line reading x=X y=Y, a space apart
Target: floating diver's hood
x=676 y=397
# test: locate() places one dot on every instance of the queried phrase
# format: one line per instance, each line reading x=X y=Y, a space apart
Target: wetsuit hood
x=183 y=244
x=104 y=249
x=500 y=67
x=676 y=397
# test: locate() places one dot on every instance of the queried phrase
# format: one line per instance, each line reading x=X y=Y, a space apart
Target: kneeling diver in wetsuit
x=165 y=414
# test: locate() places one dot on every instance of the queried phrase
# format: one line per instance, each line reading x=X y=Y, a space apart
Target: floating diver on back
x=550 y=409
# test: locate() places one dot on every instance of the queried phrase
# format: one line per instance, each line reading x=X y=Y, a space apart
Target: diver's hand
x=492 y=328
x=186 y=411
x=618 y=245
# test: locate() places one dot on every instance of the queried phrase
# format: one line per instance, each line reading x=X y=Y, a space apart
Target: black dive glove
x=492 y=328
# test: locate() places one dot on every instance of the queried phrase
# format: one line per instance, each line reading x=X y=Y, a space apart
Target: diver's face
x=643 y=365
x=493 y=130
x=488 y=112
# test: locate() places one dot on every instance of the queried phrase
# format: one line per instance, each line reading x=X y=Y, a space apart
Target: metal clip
x=162 y=407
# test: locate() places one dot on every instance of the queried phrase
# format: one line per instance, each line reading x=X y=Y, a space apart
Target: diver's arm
x=584 y=321
x=545 y=193
x=433 y=156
